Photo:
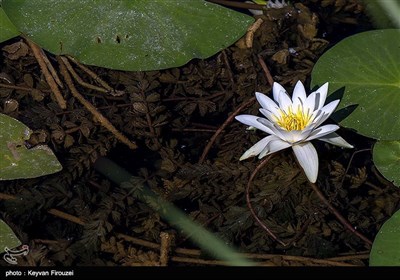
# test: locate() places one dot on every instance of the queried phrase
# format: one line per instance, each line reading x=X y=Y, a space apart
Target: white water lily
x=274 y=4
x=294 y=122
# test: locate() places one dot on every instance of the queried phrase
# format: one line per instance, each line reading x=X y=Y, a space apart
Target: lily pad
x=386 y=156
x=128 y=35
x=16 y=160
x=386 y=247
x=7 y=237
x=8 y=29
x=367 y=67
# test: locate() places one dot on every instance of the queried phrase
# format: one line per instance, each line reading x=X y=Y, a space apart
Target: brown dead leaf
x=16 y=50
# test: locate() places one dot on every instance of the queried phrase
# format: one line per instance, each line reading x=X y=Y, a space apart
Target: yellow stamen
x=294 y=120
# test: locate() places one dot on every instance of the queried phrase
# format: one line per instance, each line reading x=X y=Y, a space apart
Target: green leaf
x=367 y=66
x=16 y=161
x=131 y=35
x=386 y=157
x=7 y=237
x=8 y=29
x=385 y=250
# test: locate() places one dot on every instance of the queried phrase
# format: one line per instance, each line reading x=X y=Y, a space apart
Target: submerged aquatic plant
x=294 y=122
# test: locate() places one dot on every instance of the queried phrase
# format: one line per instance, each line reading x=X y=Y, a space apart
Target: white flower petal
x=308 y=159
x=258 y=147
x=335 y=139
x=330 y=107
x=309 y=104
x=292 y=136
x=326 y=112
x=299 y=95
x=266 y=102
x=321 y=96
x=270 y=115
x=285 y=102
x=298 y=110
x=281 y=97
x=274 y=146
x=322 y=131
x=275 y=130
x=305 y=133
x=277 y=4
x=316 y=114
x=251 y=120
x=318 y=120
x=277 y=90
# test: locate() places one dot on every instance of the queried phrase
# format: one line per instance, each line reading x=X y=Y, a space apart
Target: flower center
x=293 y=120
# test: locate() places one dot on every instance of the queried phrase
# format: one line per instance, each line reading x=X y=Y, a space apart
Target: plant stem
x=267 y=73
x=50 y=79
x=223 y=126
x=92 y=109
x=349 y=164
x=338 y=215
x=165 y=247
x=264 y=226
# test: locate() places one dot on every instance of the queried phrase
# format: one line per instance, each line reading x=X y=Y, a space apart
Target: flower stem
x=349 y=164
x=267 y=73
x=338 y=215
x=264 y=226
x=223 y=126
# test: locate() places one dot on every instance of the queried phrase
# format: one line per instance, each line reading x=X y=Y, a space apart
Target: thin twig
x=250 y=32
x=223 y=126
x=20 y=87
x=228 y=67
x=5 y=196
x=66 y=216
x=47 y=242
x=378 y=190
x=79 y=80
x=237 y=111
x=52 y=211
x=141 y=264
x=297 y=259
x=198 y=261
x=96 y=78
x=165 y=247
x=138 y=241
x=196 y=252
x=39 y=55
x=52 y=71
x=338 y=215
x=348 y=165
x=89 y=106
x=266 y=70
x=300 y=259
x=255 y=216
x=351 y=257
